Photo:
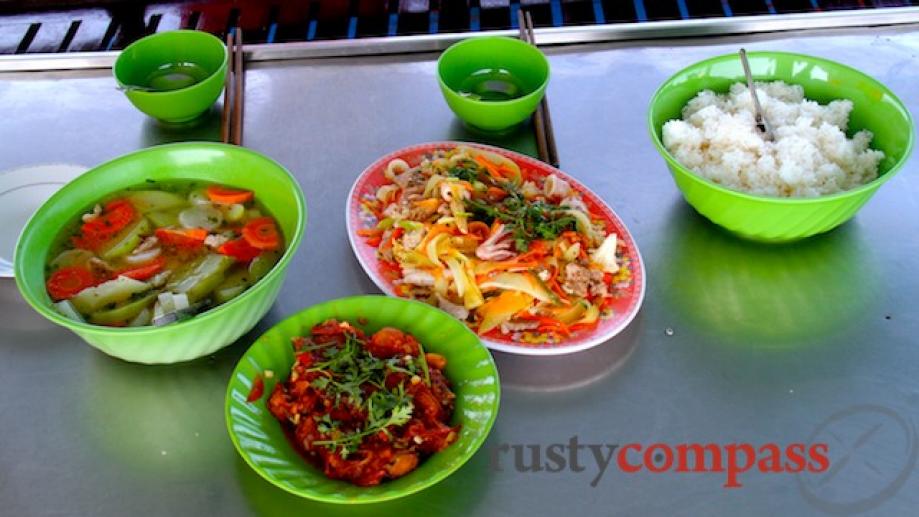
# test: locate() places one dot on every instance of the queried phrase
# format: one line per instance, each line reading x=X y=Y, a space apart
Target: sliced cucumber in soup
x=163 y=218
x=232 y=286
x=252 y=213
x=155 y=200
x=184 y=271
x=241 y=279
x=208 y=274
x=262 y=264
x=67 y=309
x=143 y=318
x=92 y=299
x=126 y=240
x=123 y=313
x=72 y=257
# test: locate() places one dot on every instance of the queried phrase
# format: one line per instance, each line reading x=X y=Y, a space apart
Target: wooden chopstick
x=548 y=131
x=542 y=146
x=542 y=120
x=227 y=94
x=239 y=90
x=234 y=93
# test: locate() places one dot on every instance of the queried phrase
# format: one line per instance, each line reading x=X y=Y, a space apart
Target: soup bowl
x=182 y=101
x=209 y=331
x=464 y=59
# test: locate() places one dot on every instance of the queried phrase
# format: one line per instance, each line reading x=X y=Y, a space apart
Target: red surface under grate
x=80 y=25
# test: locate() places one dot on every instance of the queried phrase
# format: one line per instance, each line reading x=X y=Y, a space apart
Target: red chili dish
x=365 y=409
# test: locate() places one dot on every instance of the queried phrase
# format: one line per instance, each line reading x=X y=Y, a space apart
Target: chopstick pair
x=234 y=93
x=542 y=119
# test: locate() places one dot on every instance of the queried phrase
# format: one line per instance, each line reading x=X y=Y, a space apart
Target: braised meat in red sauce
x=363 y=408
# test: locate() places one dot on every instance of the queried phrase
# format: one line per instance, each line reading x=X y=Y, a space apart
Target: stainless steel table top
x=814 y=341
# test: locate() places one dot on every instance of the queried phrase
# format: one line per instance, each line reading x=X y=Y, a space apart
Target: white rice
x=810 y=156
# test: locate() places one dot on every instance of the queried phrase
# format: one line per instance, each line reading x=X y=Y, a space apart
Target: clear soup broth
x=175 y=76
x=492 y=84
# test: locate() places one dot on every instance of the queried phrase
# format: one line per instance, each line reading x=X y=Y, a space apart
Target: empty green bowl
x=173 y=76
x=210 y=162
x=774 y=219
x=518 y=70
x=260 y=440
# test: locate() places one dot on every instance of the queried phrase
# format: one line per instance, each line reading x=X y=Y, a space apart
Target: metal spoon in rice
x=761 y=124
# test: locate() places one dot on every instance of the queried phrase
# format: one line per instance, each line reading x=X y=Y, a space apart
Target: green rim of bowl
x=255 y=432
x=456 y=47
x=870 y=186
x=46 y=310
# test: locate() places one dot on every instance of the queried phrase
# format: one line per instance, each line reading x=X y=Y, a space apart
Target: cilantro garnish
x=352 y=375
x=527 y=220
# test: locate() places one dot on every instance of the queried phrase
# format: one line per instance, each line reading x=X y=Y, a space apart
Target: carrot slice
x=240 y=249
x=183 y=238
x=584 y=326
x=146 y=271
x=68 y=281
x=479 y=230
x=116 y=215
x=490 y=167
x=262 y=233
x=370 y=232
x=495 y=194
x=228 y=196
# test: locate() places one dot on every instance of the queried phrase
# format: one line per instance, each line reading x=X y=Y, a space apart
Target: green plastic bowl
x=145 y=56
x=525 y=63
x=260 y=440
x=209 y=331
x=774 y=219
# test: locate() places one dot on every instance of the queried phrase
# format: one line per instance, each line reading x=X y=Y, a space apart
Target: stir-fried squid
x=513 y=253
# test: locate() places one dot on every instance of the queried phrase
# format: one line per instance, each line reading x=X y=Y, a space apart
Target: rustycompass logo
x=872 y=450
x=852 y=462
x=731 y=460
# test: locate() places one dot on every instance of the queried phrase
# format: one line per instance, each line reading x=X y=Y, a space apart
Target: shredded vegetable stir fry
x=512 y=253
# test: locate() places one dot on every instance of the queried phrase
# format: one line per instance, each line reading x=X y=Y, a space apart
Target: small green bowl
x=260 y=440
x=774 y=219
x=210 y=162
x=524 y=62
x=146 y=56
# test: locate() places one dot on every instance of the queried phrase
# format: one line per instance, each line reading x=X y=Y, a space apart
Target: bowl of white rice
x=838 y=135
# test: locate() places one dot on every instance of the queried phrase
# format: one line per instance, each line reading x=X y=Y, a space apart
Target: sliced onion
x=201 y=216
x=142 y=257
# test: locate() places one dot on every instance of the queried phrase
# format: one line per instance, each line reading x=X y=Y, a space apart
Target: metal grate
x=78 y=25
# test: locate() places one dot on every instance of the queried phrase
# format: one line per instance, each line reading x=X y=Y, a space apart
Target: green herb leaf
x=526 y=220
